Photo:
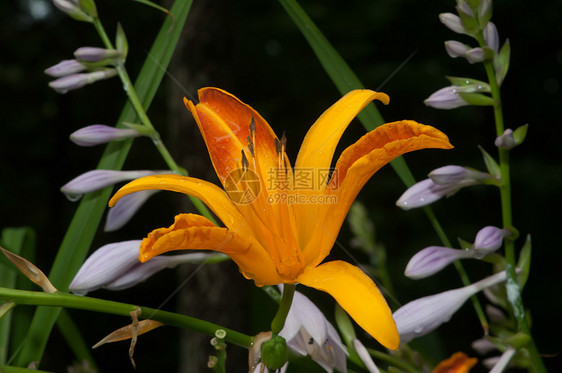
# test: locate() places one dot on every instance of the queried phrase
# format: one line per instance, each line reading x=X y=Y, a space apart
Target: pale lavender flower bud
x=488 y=240
x=125 y=208
x=105 y=265
x=495 y=314
x=501 y=363
x=476 y=55
x=142 y=271
x=456 y=49
x=424 y=315
x=431 y=260
x=490 y=362
x=506 y=140
x=76 y=81
x=485 y=10
x=64 y=68
x=449 y=174
x=491 y=37
x=116 y=266
x=446 y=98
x=308 y=332
x=365 y=356
x=100 y=134
x=452 y=22
x=426 y=192
x=73 y=9
x=463 y=7
x=483 y=346
x=94 y=54
x=98 y=179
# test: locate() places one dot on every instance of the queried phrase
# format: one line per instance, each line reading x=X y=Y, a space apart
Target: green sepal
x=142 y=129
x=518 y=340
x=274 y=352
x=469 y=22
x=477 y=99
x=465 y=245
x=484 y=14
x=491 y=164
x=121 y=42
x=501 y=62
x=89 y=7
x=524 y=262
x=473 y=85
x=345 y=326
x=520 y=133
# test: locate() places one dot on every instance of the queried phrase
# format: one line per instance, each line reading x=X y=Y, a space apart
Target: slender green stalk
x=129 y=89
x=512 y=285
x=345 y=80
x=286 y=301
x=79 y=236
x=74 y=339
x=123 y=309
x=394 y=361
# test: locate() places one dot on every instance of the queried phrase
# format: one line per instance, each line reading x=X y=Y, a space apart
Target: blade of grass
x=81 y=231
x=19 y=241
x=74 y=340
x=343 y=77
x=345 y=80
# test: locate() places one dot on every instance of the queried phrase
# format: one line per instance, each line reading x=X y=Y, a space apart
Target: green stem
x=512 y=285
x=74 y=339
x=394 y=361
x=116 y=308
x=129 y=89
x=279 y=319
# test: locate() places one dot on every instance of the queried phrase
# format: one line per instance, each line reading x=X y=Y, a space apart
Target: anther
x=252 y=127
x=245 y=163
x=250 y=145
x=283 y=142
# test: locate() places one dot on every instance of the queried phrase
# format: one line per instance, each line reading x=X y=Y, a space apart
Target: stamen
x=253 y=127
x=245 y=163
x=277 y=146
x=283 y=142
x=251 y=146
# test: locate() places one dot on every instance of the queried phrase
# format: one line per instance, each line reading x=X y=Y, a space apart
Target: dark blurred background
x=253 y=50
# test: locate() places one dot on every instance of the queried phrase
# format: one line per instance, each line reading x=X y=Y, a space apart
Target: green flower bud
x=274 y=352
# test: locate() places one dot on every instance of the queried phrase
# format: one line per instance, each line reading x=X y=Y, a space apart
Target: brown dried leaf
x=254 y=355
x=30 y=271
x=126 y=332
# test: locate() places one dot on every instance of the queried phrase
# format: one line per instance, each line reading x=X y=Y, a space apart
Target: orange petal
x=355 y=167
x=359 y=297
x=459 y=362
x=211 y=195
x=194 y=232
x=319 y=144
x=224 y=122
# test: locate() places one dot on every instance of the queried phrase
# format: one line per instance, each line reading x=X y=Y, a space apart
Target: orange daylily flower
x=276 y=231
x=459 y=362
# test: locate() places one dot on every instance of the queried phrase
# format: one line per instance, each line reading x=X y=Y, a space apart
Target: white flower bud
x=100 y=134
x=98 y=179
x=64 y=68
x=424 y=315
x=431 y=260
x=452 y=22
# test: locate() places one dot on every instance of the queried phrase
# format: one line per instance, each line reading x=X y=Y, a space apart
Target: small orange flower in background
x=459 y=362
x=280 y=222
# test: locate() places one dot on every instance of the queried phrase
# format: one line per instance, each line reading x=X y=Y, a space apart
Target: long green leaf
x=341 y=74
x=80 y=234
x=20 y=241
